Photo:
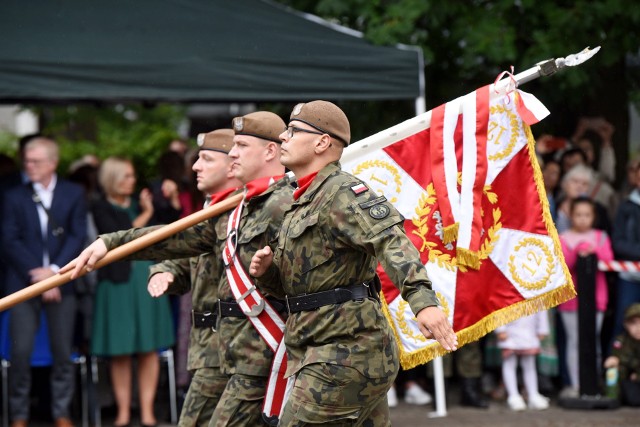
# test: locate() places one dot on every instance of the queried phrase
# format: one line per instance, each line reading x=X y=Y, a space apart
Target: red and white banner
x=474 y=203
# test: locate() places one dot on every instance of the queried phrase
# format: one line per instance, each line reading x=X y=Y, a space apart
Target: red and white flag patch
x=359 y=189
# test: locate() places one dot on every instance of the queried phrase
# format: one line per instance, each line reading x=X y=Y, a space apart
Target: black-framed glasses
x=291 y=130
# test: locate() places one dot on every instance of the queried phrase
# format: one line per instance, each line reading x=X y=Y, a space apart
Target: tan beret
x=219 y=140
x=261 y=124
x=632 y=311
x=324 y=116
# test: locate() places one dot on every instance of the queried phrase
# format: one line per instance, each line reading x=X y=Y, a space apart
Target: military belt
x=308 y=302
x=204 y=319
x=232 y=309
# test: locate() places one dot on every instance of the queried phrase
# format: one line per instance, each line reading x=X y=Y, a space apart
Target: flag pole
x=422 y=121
x=123 y=251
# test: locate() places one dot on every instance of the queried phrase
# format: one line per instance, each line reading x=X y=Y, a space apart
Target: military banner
x=471 y=191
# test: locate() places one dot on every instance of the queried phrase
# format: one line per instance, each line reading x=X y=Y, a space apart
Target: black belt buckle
x=201 y=319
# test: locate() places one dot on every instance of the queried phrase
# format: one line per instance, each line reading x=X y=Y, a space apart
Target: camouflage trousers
x=202 y=397
x=334 y=395
x=241 y=402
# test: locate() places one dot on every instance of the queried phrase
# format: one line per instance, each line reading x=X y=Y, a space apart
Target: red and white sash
x=262 y=315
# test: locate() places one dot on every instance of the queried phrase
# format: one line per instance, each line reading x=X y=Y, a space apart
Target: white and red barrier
x=619 y=266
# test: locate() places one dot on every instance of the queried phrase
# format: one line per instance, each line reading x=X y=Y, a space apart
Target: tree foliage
x=136 y=132
x=467 y=44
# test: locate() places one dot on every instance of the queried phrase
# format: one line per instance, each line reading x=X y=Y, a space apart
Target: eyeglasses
x=291 y=130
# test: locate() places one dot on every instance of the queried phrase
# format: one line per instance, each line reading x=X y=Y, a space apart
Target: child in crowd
x=521 y=340
x=582 y=240
x=626 y=357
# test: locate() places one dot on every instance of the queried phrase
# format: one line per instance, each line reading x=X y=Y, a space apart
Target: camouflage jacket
x=627 y=350
x=333 y=236
x=242 y=349
x=200 y=275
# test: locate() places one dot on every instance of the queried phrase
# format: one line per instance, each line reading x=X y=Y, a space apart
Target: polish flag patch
x=359 y=189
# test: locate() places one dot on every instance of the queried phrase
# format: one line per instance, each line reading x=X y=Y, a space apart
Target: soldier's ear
x=272 y=151
x=322 y=144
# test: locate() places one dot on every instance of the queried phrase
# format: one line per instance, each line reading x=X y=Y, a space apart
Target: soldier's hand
x=159 y=283
x=434 y=324
x=87 y=258
x=261 y=261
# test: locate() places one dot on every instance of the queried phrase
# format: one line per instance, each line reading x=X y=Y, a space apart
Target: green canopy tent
x=191 y=51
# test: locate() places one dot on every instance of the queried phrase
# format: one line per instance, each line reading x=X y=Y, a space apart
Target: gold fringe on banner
x=450 y=233
x=468 y=258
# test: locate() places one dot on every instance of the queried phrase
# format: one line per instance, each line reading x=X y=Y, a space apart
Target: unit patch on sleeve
x=379 y=211
x=365 y=205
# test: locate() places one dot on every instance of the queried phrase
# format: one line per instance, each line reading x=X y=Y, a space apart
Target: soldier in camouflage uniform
x=243 y=354
x=200 y=275
x=339 y=345
x=625 y=356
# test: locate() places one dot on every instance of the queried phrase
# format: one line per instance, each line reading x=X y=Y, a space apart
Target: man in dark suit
x=43 y=227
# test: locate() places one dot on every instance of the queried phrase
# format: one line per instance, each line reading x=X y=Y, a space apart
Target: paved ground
x=496 y=416
x=499 y=415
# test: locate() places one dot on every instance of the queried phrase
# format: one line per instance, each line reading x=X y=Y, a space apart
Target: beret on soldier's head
x=261 y=124
x=632 y=311
x=218 y=140
x=324 y=116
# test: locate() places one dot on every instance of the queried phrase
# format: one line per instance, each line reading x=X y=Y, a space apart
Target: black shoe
x=470 y=394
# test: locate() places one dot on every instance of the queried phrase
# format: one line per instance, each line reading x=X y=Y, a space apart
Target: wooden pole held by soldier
x=123 y=251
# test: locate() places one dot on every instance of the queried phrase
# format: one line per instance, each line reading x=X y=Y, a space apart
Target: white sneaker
x=417 y=396
x=392 y=397
x=538 y=402
x=569 y=393
x=516 y=403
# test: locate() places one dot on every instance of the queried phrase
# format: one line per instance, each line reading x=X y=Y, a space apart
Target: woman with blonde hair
x=127 y=320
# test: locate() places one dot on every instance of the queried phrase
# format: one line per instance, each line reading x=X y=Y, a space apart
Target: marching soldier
x=200 y=275
x=339 y=345
x=244 y=353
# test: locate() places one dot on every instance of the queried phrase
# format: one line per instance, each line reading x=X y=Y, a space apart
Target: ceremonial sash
x=264 y=318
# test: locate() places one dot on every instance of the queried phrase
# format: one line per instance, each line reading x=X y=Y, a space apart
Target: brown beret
x=324 y=116
x=261 y=124
x=219 y=140
x=632 y=311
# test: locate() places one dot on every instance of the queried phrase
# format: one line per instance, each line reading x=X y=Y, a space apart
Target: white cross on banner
x=471 y=191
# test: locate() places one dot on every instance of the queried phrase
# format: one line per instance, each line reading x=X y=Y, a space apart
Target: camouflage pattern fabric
x=627 y=350
x=200 y=275
x=202 y=397
x=241 y=403
x=333 y=236
x=244 y=355
x=332 y=395
x=242 y=349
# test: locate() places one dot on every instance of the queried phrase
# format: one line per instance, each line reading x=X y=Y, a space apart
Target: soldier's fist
x=261 y=261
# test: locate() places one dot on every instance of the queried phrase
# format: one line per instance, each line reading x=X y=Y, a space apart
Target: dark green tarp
x=189 y=50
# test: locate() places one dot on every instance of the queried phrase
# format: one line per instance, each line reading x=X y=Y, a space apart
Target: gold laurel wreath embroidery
x=423 y=210
x=513 y=268
x=368 y=164
x=404 y=326
x=443 y=303
x=515 y=131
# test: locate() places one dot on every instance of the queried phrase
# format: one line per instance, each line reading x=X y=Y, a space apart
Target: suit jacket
x=22 y=242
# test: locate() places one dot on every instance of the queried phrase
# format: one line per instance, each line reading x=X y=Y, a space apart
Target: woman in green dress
x=127 y=320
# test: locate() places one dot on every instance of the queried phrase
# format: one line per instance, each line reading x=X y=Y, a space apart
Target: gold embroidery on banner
x=532 y=261
x=436 y=256
x=443 y=304
x=404 y=326
x=514 y=121
x=397 y=179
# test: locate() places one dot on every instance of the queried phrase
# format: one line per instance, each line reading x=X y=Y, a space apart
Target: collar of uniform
x=279 y=183
x=320 y=178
